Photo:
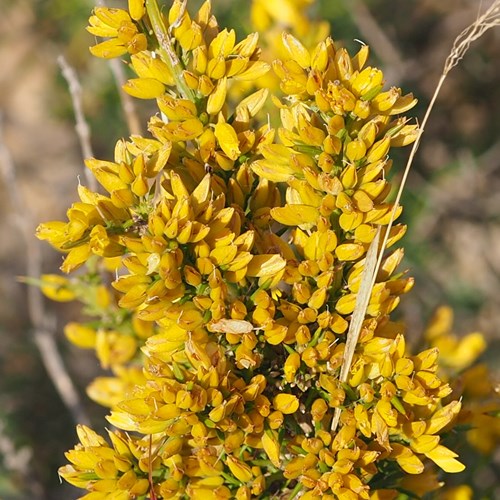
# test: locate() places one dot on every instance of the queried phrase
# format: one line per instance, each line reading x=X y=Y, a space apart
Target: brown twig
x=82 y=128
x=43 y=324
x=127 y=103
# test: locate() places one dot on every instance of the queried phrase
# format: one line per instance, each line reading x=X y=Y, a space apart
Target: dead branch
x=82 y=128
x=42 y=322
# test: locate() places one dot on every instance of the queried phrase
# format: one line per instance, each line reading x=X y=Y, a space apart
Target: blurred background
x=452 y=202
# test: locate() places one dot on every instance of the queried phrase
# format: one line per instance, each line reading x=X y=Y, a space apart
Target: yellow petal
x=234 y=326
x=145 y=66
x=228 y=140
x=254 y=70
x=349 y=251
x=271 y=171
x=265 y=265
x=350 y=221
x=355 y=150
x=222 y=44
x=286 y=403
x=136 y=9
x=176 y=109
x=240 y=470
x=253 y=103
x=144 y=88
x=223 y=255
x=272 y=447
x=183 y=131
x=295 y=215
x=56 y=287
x=296 y=50
x=406 y=459
x=403 y=104
x=379 y=150
x=217 y=98
x=345 y=305
x=108 y=49
x=443 y=417
x=445 y=458
x=424 y=444
x=80 y=335
x=75 y=258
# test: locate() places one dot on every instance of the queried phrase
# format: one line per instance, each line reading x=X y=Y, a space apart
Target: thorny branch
x=43 y=324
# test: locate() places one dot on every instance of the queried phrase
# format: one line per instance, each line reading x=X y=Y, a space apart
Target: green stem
x=296 y=491
x=166 y=49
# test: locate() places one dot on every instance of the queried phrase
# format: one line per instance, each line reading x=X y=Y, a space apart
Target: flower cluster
x=238 y=251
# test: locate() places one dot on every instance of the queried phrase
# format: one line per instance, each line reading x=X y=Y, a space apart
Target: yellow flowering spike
x=237 y=231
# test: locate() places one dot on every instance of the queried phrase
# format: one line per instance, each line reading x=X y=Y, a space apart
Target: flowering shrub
x=237 y=242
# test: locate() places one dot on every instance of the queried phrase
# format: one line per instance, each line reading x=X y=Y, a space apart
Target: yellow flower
x=99 y=467
x=238 y=254
x=120 y=28
x=456 y=354
x=57 y=287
